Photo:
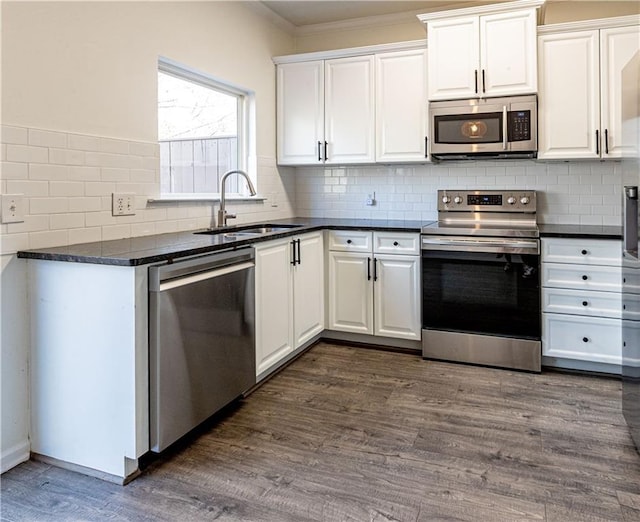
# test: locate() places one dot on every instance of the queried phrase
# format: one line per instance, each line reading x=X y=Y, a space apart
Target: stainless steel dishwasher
x=201 y=339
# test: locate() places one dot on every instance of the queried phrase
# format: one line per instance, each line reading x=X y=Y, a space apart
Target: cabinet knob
x=584 y=252
x=584 y=278
x=585 y=339
x=585 y=303
x=395 y=243
x=349 y=241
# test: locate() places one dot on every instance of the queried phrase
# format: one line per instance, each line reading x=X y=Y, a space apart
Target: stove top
x=509 y=213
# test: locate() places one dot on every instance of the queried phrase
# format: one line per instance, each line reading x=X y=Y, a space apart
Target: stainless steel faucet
x=223 y=215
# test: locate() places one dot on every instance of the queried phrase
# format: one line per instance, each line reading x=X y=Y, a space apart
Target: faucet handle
x=231 y=216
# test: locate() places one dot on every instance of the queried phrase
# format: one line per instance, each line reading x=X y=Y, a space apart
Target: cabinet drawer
x=631 y=280
x=582 y=251
x=585 y=338
x=396 y=243
x=582 y=277
x=579 y=302
x=350 y=240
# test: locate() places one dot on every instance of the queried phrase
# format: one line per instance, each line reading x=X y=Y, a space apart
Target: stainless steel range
x=481 y=279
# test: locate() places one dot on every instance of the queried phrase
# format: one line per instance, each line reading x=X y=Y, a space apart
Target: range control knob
x=511 y=200
x=446 y=199
x=457 y=200
x=524 y=200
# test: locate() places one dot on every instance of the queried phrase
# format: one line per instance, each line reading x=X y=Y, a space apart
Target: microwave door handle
x=504 y=128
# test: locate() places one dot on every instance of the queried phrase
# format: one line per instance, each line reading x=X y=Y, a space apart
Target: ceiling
x=308 y=12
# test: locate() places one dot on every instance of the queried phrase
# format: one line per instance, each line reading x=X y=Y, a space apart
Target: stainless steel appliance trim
x=520 y=149
x=475 y=244
x=202 y=276
x=503 y=352
x=630 y=213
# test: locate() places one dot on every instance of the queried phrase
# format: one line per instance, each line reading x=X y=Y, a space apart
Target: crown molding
x=353 y=51
x=357 y=23
x=262 y=10
x=589 y=25
x=481 y=10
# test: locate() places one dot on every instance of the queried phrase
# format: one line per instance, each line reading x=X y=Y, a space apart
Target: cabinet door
x=308 y=289
x=508 y=60
x=350 y=292
x=619 y=83
x=568 y=99
x=274 y=303
x=349 y=110
x=300 y=113
x=453 y=58
x=397 y=296
x=401 y=106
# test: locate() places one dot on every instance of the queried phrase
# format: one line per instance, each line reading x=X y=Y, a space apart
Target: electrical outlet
x=12 y=208
x=371 y=200
x=123 y=204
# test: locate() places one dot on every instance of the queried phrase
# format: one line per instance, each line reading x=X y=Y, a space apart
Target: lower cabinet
x=582 y=301
x=289 y=297
x=371 y=292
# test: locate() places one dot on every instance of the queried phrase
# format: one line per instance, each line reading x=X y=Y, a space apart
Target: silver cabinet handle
x=504 y=128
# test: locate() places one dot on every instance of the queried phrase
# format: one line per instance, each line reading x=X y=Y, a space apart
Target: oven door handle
x=467 y=244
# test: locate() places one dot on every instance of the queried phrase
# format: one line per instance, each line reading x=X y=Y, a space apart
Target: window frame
x=246 y=130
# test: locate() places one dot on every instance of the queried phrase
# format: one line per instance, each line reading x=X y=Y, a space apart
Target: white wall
x=78 y=114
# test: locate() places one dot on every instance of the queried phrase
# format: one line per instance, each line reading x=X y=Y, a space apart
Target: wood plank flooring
x=355 y=434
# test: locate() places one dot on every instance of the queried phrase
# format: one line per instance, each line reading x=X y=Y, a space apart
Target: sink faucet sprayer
x=222 y=213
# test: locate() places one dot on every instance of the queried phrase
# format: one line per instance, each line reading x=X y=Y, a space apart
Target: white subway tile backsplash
x=81 y=173
x=31 y=223
x=81 y=142
x=42 y=138
x=9 y=170
x=48 y=205
x=66 y=221
x=99 y=188
x=85 y=235
x=86 y=204
x=3 y=152
x=27 y=154
x=11 y=243
x=67 y=157
x=144 y=149
x=104 y=159
x=48 y=238
x=115 y=146
x=28 y=188
x=14 y=135
x=111 y=174
x=66 y=188
x=116 y=232
x=48 y=172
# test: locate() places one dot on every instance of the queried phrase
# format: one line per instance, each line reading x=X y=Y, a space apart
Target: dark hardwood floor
x=365 y=435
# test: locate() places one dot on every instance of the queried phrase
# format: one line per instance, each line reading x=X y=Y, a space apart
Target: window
x=202 y=130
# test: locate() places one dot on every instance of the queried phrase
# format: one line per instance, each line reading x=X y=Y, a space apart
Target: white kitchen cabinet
x=401 y=106
x=580 y=111
x=300 y=113
x=89 y=366
x=582 y=301
x=349 y=110
x=371 y=292
x=325 y=111
x=479 y=55
x=289 y=297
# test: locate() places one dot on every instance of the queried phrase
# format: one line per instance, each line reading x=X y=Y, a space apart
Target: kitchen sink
x=251 y=231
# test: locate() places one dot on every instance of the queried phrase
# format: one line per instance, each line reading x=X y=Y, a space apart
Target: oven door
x=486 y=286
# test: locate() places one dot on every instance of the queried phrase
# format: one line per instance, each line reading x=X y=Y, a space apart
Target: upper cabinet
x=482 y=51
x=581 y=109
x=366 y=108
x=401 y=106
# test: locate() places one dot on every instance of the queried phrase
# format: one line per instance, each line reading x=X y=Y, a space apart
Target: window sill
x=202 y=197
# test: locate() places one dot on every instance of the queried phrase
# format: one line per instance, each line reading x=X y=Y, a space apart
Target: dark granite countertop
x=581 y=231
x=166 y=247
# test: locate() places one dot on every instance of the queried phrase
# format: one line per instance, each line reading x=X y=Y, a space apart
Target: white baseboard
x=14 y=456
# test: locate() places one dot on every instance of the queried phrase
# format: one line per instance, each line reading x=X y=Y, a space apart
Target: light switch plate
x=12 y=208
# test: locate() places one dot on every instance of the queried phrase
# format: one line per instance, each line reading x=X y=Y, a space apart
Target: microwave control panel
x=519 y=125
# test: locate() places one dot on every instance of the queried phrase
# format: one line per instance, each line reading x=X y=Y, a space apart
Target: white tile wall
x=67 y=181
x=569 y=192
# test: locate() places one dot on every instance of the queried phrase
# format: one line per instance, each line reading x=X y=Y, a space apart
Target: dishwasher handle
x=203 y=276
x=210 y=264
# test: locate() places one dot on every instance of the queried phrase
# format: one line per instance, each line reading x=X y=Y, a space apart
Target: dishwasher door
x=201 y=339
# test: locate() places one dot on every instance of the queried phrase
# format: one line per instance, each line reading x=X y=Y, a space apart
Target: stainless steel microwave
x=484 y=128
